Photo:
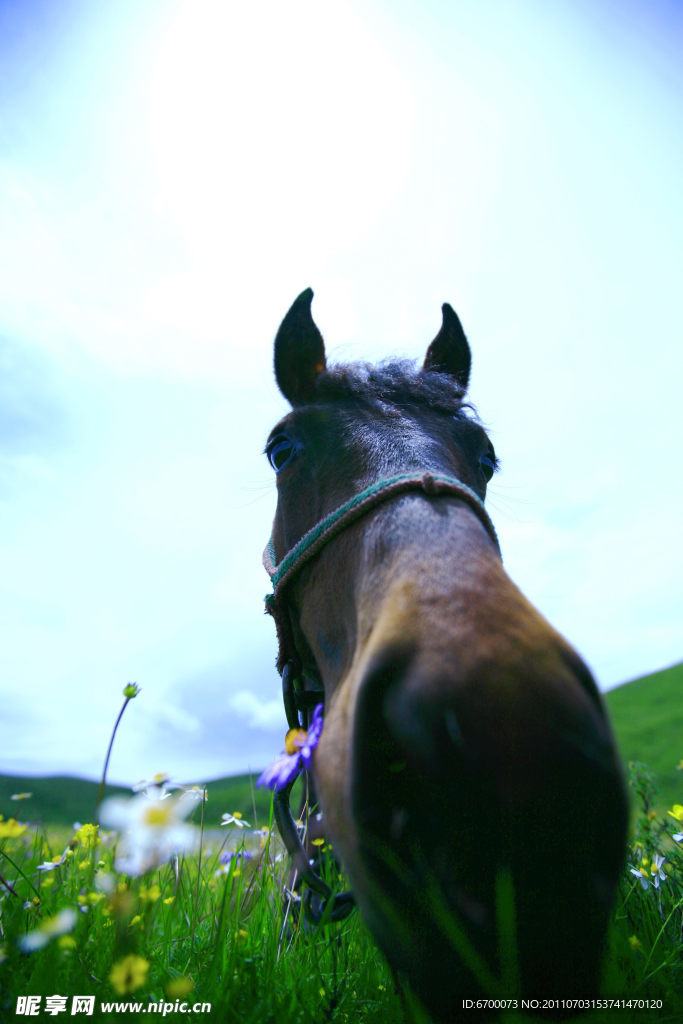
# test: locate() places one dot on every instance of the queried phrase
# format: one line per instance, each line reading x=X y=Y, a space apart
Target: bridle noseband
x=299 y=695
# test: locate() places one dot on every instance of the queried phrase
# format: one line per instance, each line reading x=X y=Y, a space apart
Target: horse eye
x=279 y=452
x=488 y=465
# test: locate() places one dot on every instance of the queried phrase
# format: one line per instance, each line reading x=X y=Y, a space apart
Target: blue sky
x=171 y=176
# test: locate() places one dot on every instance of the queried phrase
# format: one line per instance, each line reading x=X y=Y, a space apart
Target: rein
x=300 y=698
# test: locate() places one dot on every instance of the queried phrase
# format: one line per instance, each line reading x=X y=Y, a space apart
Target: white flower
x=198 y=792
x=157 y=788
x=62 y=923
x=50 y=865
x=152 y=830
x=656 y=870
x=650 y=873
x=235 y=819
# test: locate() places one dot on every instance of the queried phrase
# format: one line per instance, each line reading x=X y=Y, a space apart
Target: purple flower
x=239 y=855
x=297 y=755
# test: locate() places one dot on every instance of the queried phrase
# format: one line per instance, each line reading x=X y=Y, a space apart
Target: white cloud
x=256 y=712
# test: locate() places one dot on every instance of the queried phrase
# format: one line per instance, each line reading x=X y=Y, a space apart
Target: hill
x=62 y=800
x=647 y=715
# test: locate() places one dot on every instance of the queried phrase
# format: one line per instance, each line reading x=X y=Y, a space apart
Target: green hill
x=647 y=715
x=648 y=721
x=62 y=800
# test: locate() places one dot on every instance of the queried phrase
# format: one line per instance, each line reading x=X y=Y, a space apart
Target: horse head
x=466 y=770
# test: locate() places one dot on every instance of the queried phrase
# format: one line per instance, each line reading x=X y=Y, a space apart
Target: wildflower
x=677 y=812
x=238 y=856
x=134 y=920
x=656 y=870
x=634 y=942
x=51 y=928
x=128 y=974
x=178 y=988
x=650 y=873
x=152 y=830
x=297 y=755
x=66 y=943
x=21 y=796
x=198 y=792
x=50 y=865
x=149 y=894
x=157 y=788
x=234 y=819
x=87 y=836
x=10 y=829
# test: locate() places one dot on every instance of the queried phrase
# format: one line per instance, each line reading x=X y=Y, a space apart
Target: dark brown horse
x=466 y=770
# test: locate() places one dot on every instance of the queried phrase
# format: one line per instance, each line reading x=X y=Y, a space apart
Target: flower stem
x=130 y=691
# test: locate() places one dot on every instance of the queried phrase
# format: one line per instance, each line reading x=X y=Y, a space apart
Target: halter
x=298 y=699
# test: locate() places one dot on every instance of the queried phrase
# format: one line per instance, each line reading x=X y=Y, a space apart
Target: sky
x=172 y=175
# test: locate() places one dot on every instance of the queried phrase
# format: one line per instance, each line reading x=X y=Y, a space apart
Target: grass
x=206 y=927
x=647 y=715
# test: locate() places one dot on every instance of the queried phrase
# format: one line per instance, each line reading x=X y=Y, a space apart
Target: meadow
x=186 y=915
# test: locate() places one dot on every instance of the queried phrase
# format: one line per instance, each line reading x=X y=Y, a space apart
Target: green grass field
x=201 y=935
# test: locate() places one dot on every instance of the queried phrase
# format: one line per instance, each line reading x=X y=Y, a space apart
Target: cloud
x=257 y=713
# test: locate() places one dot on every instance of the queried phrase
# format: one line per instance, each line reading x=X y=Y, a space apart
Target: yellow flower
x=90 y=898
x=169 y=899
x=150 y=894
x=676 y=812
x=128 y=974
x=87 y=836
x=11 y=829
x=634 y=942
x=67 y=943
x=135 y=920
x=178 y=988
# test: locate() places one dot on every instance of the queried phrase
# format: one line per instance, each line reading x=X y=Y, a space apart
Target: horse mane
x=397 y=382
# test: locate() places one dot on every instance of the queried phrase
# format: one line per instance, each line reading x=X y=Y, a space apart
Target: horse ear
x=449 y=352
x=299 y=351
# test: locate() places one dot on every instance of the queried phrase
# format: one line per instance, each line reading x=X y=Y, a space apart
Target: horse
x=466 y=770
